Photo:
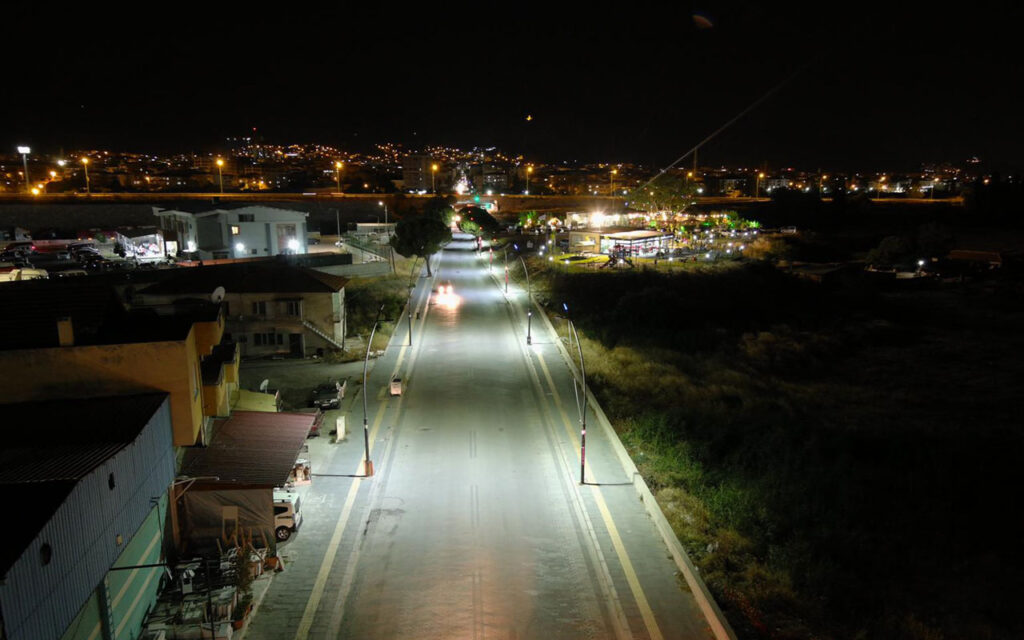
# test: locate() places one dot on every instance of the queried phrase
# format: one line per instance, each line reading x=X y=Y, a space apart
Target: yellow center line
x=620 y=549
x=332 y=548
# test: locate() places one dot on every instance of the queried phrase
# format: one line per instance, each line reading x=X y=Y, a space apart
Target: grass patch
x=838 y=461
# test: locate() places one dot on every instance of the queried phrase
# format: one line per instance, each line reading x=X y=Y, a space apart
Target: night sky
x=868 y=87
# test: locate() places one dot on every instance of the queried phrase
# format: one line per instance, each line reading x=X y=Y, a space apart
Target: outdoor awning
x=251 y=448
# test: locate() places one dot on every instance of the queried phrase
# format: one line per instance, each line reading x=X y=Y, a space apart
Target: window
x=267 y=339
x=259 y=308
x=247 y=217
x=235 y=230
x=293 y=308
x=254 y=251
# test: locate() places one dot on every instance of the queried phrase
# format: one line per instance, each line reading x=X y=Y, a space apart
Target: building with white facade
x=233 y=231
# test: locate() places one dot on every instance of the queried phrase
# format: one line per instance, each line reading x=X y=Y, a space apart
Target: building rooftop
x=251 y=448
x=44 y=465
x=247 y=277
x=97 y=313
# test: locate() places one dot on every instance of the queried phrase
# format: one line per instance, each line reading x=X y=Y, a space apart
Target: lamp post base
x=367 y=468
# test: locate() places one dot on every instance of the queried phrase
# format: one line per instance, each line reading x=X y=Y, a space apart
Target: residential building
x=270 y=307
x=72 y=340
x=234 y=231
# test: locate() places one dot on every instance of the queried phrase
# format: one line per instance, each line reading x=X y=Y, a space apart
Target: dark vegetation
x=839 y=460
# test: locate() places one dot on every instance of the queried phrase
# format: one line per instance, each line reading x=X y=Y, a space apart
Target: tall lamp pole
x=433 y=175
x=85 y=163
x=220 y=173
x=611 y=186
x=529 y=170
x=381 y=203
x=368 y=464
x=337 y=173
x=581 y=406
x=529 y=297
x=757 y=185
x=24 y=151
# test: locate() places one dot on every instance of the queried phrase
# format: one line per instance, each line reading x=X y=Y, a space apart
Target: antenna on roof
x=264 y=385
x=218 y=295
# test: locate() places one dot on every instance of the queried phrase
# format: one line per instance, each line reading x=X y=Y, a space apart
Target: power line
x=725 y=126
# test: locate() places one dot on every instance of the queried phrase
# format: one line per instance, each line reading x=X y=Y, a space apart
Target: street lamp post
x=611 y=186
x=381 y=203
x=757 y=185
x=24 y=151
x=529 y=297
x=85 y=163
x=337 y=173
x=368 y=464
x=580 y=406
x=529 y=170
x=433 y=175
x=220 y=173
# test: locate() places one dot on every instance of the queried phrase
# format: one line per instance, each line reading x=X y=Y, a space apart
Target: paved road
x=474 y=525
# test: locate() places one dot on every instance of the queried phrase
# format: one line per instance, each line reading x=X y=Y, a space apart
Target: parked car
x=326 y=396
x=287 y=514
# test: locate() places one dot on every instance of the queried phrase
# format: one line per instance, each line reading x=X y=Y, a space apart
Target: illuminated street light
x=757 y=185
x=433 y=174
x=529 y=297
x=529 y=170
x=293 y=244
x=220 y=173
x=611 y=189
x=367 y=463
x=381 y=203
x=85 y=163
x=239 y=248
x=580 y=406
x=24 y=151
x=337 y=174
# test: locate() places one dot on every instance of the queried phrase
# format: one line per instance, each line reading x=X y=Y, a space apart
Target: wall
x=173 y=367
x=44 y=601
x=324 y=310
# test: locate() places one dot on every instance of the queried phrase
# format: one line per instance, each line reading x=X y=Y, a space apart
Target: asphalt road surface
x=474 y=524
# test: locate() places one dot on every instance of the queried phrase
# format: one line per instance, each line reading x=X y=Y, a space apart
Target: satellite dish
x=217 y=295
x=264 y=385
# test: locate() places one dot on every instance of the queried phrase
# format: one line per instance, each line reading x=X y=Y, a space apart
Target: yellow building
x=78 y=341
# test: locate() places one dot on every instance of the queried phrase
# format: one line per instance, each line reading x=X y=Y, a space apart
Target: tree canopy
x=479 y=218
x=667 y=193
x=422 y=236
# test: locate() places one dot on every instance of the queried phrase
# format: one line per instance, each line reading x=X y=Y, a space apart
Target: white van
x=287 y=514
x=396 y=387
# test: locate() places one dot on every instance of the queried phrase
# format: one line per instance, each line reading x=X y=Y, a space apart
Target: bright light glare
x=293 y=244
x=24 y=150
x=597 y=219
x=239 y=247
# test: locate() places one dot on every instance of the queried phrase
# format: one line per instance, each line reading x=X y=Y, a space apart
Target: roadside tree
x=422 y=236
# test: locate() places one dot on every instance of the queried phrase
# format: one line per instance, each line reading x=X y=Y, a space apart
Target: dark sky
x=869 y=87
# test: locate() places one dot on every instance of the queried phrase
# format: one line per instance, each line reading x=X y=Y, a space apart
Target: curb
x=712 y=614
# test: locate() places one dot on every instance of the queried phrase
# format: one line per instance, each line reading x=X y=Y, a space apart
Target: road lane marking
x=332 y=548
x=620 y=549
x=617 y=618
x=348 y=578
